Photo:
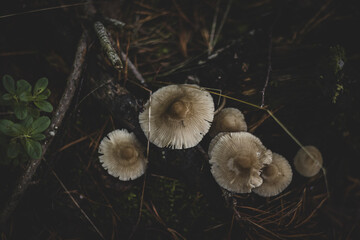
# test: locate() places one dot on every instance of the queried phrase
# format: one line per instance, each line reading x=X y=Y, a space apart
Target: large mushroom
x=306 y=165
x=236 y=161
x=277 y=176
x=228 y=120
x=179 y=118
x=214 y=141
x=122 y=155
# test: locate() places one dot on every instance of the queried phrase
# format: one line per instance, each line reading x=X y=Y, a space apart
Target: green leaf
x=28 y=121
x=6 y=127
x=26 y=96
x=44 y=106
x=7 y=96
x=33 y=148
x=18 y=129
x=13 y=149
x=11 y=129
x=38 y=136
x=34 y=112
x=20 y=111
x=46 y=93
x=40 y=97
x=40 y=124
x=22 y=86
x=40 y=85
x=9 y=83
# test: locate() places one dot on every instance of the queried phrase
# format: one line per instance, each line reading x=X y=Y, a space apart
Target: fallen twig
x=107 y=46
x=132 y=68
x=56 y=121
x=77 y=204
x=268 y=69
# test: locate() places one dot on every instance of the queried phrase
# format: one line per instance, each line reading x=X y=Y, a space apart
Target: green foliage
x=337 y=62
x=22 y=130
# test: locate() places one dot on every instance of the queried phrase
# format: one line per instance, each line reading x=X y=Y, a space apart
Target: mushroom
x=214 y=141
x=180 y=116
x=228 y=120
x=277 y=176
x=122 y=155
x=306 y=165
x=236 y=161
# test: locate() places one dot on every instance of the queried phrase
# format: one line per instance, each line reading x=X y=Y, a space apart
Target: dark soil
x=310 y=91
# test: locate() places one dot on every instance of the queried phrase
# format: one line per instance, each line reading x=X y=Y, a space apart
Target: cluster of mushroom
x=239 y=161
x=178 y=116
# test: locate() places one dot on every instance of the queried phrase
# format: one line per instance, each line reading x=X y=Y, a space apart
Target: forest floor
x=309 y=53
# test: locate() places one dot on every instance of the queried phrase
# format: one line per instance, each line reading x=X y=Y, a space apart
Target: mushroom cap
x=180 y=116
x=305 y=165
x=122 y=155
x=277 y=176
x=228 y=120
x=214 y=141
x=236 y=161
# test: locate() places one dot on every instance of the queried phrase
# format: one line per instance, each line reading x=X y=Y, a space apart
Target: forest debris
x=107 y=46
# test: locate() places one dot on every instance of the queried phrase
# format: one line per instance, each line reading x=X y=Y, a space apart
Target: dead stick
x=107 y=46
x=133 y=69
x=58 y=116
x=268 y=70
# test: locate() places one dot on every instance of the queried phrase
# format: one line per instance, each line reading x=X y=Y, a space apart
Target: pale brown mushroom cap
x=305 y=165
x=122 y=155
x=180 y=116
x=228 y=120
x=214 y=141
x=236 y=161
x=277 y=176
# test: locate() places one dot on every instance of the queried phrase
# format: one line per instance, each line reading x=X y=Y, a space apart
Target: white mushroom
x=122 y=155
x=277 y=176
x=306 y=165
x=236 y=161
x=228 y=120
x=180 y=116
x=214 y=141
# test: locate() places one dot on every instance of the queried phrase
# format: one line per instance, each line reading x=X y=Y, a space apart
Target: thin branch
x=77 y=204
x=43 y=9
x=213 y=28
x=107 y=46
x=268 y=69
x=132 y=68
x=114 y=22
x=58 y=116
x=222 y=22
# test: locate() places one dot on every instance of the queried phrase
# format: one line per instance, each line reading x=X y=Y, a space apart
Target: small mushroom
x=122 y=155
x=236 y=161
x=180 y=116
x=228 y=120
x=277 y=176
x=306 y=165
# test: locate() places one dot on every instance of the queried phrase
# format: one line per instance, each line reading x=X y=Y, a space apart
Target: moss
x=183 y=210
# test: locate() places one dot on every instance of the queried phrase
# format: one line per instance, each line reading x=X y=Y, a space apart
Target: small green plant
x=337 y=62
x=24 y=127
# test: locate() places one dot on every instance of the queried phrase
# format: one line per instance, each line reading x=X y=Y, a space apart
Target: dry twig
x=107 y=46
